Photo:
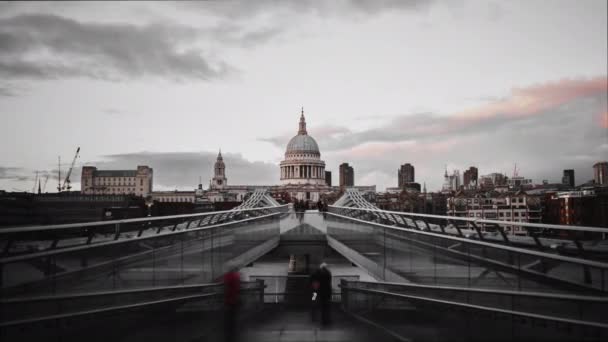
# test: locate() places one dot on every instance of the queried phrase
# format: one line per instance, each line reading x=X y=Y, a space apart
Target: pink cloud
x=380 y=150
x=536 y=99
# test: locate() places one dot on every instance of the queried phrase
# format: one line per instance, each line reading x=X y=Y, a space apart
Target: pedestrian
x=315 y=285
x=325 y=294
x=324 y=209
x=232 y=291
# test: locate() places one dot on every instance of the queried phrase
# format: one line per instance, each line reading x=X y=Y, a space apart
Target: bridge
x=396 y=276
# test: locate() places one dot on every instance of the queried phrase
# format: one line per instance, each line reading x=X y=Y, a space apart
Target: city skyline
x=483 y=84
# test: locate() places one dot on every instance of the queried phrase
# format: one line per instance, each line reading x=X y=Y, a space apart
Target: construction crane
x=35 y=182
x=46 y=180
x=66 y=182
x=59 y=174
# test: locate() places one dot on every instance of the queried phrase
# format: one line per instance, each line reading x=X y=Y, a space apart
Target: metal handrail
x=113 y=242
x=133 y=220
x=477 y=220
x=104 y=293
x=487 y=244
x=126 y=306
x=594 y=299
x=481 y=308
x=113 y=308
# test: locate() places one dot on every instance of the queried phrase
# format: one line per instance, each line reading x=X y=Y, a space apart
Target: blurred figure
x=300 y=210
x=232 y=292
x=324 y=293
x=324 y=209
x=315 y=285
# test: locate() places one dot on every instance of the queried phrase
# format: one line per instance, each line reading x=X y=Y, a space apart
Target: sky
x=436 y=84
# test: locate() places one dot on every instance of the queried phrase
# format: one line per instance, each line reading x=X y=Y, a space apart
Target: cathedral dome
x=302 y=166
x=302 y=143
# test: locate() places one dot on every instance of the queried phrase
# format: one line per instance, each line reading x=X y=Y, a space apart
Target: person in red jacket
x=232 y=291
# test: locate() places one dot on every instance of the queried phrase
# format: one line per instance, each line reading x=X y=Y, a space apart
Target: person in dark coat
x=325 y=294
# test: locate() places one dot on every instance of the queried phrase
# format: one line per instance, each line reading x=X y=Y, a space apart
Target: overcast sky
x=456 y=83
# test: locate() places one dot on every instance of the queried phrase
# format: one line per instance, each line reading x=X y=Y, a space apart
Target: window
x=141 y=182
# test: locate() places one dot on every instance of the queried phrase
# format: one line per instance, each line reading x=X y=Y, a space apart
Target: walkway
x=277 y=324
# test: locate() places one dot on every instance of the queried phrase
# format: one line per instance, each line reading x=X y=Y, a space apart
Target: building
x=219 y=180
x=411 y=186
x=405 y=175
x=435 y=203
x=568 y=178
x=451 y=182
x=511 y=206
x=115 y=182
x=519 y=182
x=582 y=207
x=302 y=171
x=347 y=175
x=302 y=176
x=600 y=173
x=469 y=178
x=174 y=196
x=407 y=200
x=328 y=178
x=220 y=191
x=492 y=180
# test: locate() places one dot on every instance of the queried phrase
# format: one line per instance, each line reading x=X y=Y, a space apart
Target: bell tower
x=219 y=173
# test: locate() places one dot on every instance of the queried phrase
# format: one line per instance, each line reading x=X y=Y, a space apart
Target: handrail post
x=262 y=287
x=116 y=230
x=344 y=294
x=479 y=233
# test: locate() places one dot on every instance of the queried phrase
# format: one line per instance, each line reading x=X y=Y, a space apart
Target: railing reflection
x=419 y=254
x=464 y=314
x=295 y=288
x=120 y=313
x=170 y=252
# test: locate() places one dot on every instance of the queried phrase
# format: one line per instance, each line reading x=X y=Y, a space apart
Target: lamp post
x=149 y=203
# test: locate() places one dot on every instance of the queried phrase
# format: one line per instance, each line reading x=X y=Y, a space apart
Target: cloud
x=112 y=111
x=535 y=99
x=7 y=91
x=14 y=173
x=603 y=119
x=344 y=8
x=542 y=128
x=182 y=170
x=43 y=46
x=11 y=89
x=522 y=104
